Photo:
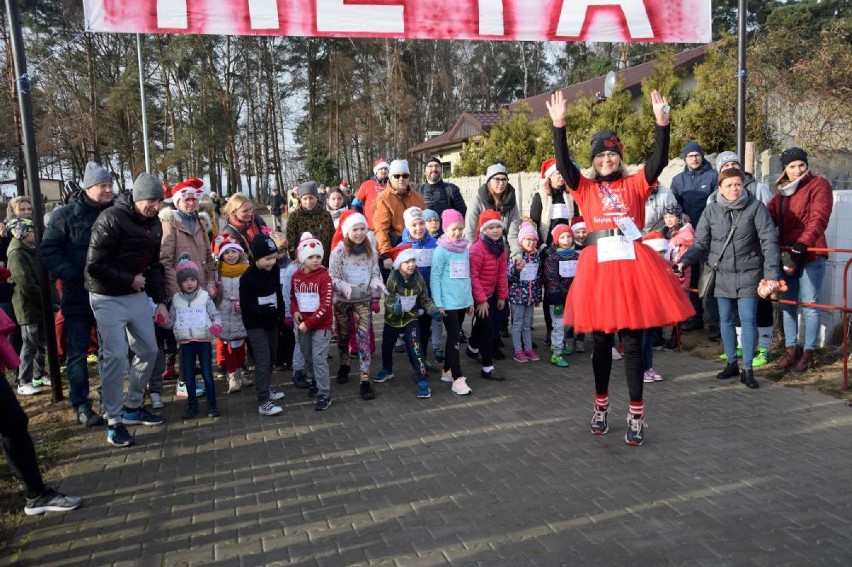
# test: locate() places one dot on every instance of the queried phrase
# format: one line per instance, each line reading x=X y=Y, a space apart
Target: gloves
x=436 y=316
x=236 y=304
x=159 y=320
x=558 y=309
x=345 y=289
x=799 y=248
x=216 y=329
x=375 y=306
x=211 y=290
x=397 y=308
x=288 y=322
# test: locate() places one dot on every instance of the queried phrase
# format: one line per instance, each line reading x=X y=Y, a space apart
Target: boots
x=234 y=382
x=169 y=373
x=747 y=378
x=789 y=360
x=806 y=362
x=732 y=369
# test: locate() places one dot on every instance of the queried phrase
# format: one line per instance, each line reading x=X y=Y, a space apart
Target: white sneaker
x=268 y=408
x=156 y=401
x=447 y=376
x=28 y=390
x=234 y=384
x=648 y=377
x=460 y=387
x=615 y=354
x=275 y=395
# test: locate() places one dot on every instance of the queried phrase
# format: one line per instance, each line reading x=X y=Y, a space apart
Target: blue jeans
x=203 y=352
x=77 y=334
x=648 y=348
x=747 y=307
x=805 y=289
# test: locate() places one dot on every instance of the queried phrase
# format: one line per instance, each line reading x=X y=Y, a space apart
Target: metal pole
x=742 y=40
x=31 y=163
x=144 y=108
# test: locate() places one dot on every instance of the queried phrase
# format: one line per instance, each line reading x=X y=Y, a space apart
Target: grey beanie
x=147 y=186
x=308 y=188
x=95 y=175
x=726 y=158
x=493 y=170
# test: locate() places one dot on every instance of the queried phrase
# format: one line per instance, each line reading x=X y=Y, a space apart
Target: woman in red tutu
x=621 y=286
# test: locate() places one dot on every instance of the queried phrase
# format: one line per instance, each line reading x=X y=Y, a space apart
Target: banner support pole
x=144 y=107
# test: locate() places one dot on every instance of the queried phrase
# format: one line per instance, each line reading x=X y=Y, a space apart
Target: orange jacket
x=387 y=217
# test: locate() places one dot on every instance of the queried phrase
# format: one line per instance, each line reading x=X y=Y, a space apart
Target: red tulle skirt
x=625 y=294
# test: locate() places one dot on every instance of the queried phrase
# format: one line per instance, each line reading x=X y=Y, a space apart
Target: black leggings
x=453 y=321
x=481 y=335
x=17 y=443
x=631 y=340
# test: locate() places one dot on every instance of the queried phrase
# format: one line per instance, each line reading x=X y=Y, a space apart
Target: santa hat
x=308 y=246
x=351 y=221
x=190 y=188
x=344 y=186
x=488 y=218
x=527 y=230
x=577 y=223
x=186 y=269
x=402 y=253
x=655 y=241
x=225 y=242
x=338 y=232
x=559 y=230
x=380 y=163
x=412 y=214
x=548 y=168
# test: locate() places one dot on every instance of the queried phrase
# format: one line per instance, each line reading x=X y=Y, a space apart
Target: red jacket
x=488 y=273
x=805 y=214
x=315 y=286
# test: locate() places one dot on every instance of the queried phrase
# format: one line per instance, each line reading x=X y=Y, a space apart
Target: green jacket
x=413 y=286
x=25 y=275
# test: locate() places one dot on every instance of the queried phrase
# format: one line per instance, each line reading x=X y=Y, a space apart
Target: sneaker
x=92 y=359
x=599 y=425
x=399 y=346
x=343 y=374
x=762 y=357
x=300 y=379
x=532 y=355
x=191 y=412
x=615 y=354
x=28 y=390
x=580 y=346
x=213 y=412
x=366 y=391
x=234 y=383
x=439 y=355
x=460 y=387
x=491 y=375
x=724 y=356
x=268 y=408
x=471 y=354
x=275 y=395
x=647 y=377
x=447 y=377
x=43 y=381
x=51 y=501
x=141 y=416
x=322 y=403
x=88 y=418
x=180 y=391
x=567 y=350
x=521 y=356
x=655 y=375
x=156 y=401
x=119 y=436
x=423 y=390
x=383 y=376
x=635 y=430
x=313 y=390
x=557 y=360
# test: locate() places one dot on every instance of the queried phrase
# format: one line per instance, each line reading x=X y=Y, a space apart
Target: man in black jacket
x=127 y=290
x=64 y=247
x=437 y=193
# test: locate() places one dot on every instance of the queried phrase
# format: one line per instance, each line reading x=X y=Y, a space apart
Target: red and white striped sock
x=601 y=402
x=637 y=409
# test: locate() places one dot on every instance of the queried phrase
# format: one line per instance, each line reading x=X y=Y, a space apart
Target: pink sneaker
x=655 y=375
x=521 y=356
x=532 y=356
x=648 y=377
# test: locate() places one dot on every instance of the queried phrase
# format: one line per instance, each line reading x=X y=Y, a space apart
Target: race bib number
x=629 y=228
x=308 y=301
x=356 y=275
x=407 y=301
x=615 y=248
x=190 y=318
x=267 y=300
x=567 y=268
x=423 y=257
x=559 y=211
x=530 y=271
x=459 y=269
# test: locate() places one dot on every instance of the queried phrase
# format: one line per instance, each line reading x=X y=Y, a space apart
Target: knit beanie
x=429 y=214
x=20 y=227
x=790 y=155
x=548 y=168
x=655 y=241
x=308 y=246
x=494 y=169
x=147 y=186
x=558 y=231
x=673 y=209
x=412 y=214
x=451 y=216
x=606 y=141
x=185 y=269
x=263 y=246
x=577 y=223
x=527 y=230
x=725 y=158
x=379 y=164
x=224 y=242
x=488 y=217
x=399 y=167
x=434 y=159
x=95 y=175
x=690 y=148
x=402 y=253
x=308 y=188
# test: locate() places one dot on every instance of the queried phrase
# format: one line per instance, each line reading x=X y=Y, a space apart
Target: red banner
x=671 y=21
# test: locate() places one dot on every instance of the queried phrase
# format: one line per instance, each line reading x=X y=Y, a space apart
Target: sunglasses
x=401 y=175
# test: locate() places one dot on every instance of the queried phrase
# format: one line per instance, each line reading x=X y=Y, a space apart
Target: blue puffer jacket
x=424 y=259
x=64 y=247
x=692 y=187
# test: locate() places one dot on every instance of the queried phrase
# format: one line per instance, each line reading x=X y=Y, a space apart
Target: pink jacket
x=488 y=273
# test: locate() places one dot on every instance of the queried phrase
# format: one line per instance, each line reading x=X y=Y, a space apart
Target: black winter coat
x=125 y=243
x=254 y=285
x=442 y=196
x=64 y=248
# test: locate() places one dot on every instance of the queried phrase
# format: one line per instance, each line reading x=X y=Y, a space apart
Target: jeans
x=648 y=348
x=77 y=332
x=203 y=352
x=416 y=357
x=522 y=317
x=747 y=307
x=33 y=352
x=804 y=288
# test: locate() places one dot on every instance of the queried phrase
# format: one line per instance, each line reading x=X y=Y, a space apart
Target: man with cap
x=692 y=187
x=365 y=199
x=64 y=247
x=275 y=202
x=437 y=193
x=388 y=219
x=127 y=292
x=310 y=217
x=727 y=160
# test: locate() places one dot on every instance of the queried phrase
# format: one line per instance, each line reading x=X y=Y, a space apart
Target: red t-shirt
x=604 y=202
x=367 y=193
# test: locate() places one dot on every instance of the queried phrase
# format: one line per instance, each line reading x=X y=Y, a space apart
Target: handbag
x=707 y=280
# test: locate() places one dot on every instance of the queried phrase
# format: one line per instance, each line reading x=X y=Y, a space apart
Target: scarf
x=734 y=205
x=507 y=203
x=496 y=247
x=233 y=270
x=189 y=219
x=359 y=248
x=459 y=245
x=790 y=188
x=335 y=214
x=190 y=297
x=565 y=253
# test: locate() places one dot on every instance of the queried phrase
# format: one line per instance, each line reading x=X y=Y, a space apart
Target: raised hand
x=661 y=107
x=557 y=106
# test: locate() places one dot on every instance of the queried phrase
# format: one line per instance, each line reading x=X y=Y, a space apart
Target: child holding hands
x=525 y=293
